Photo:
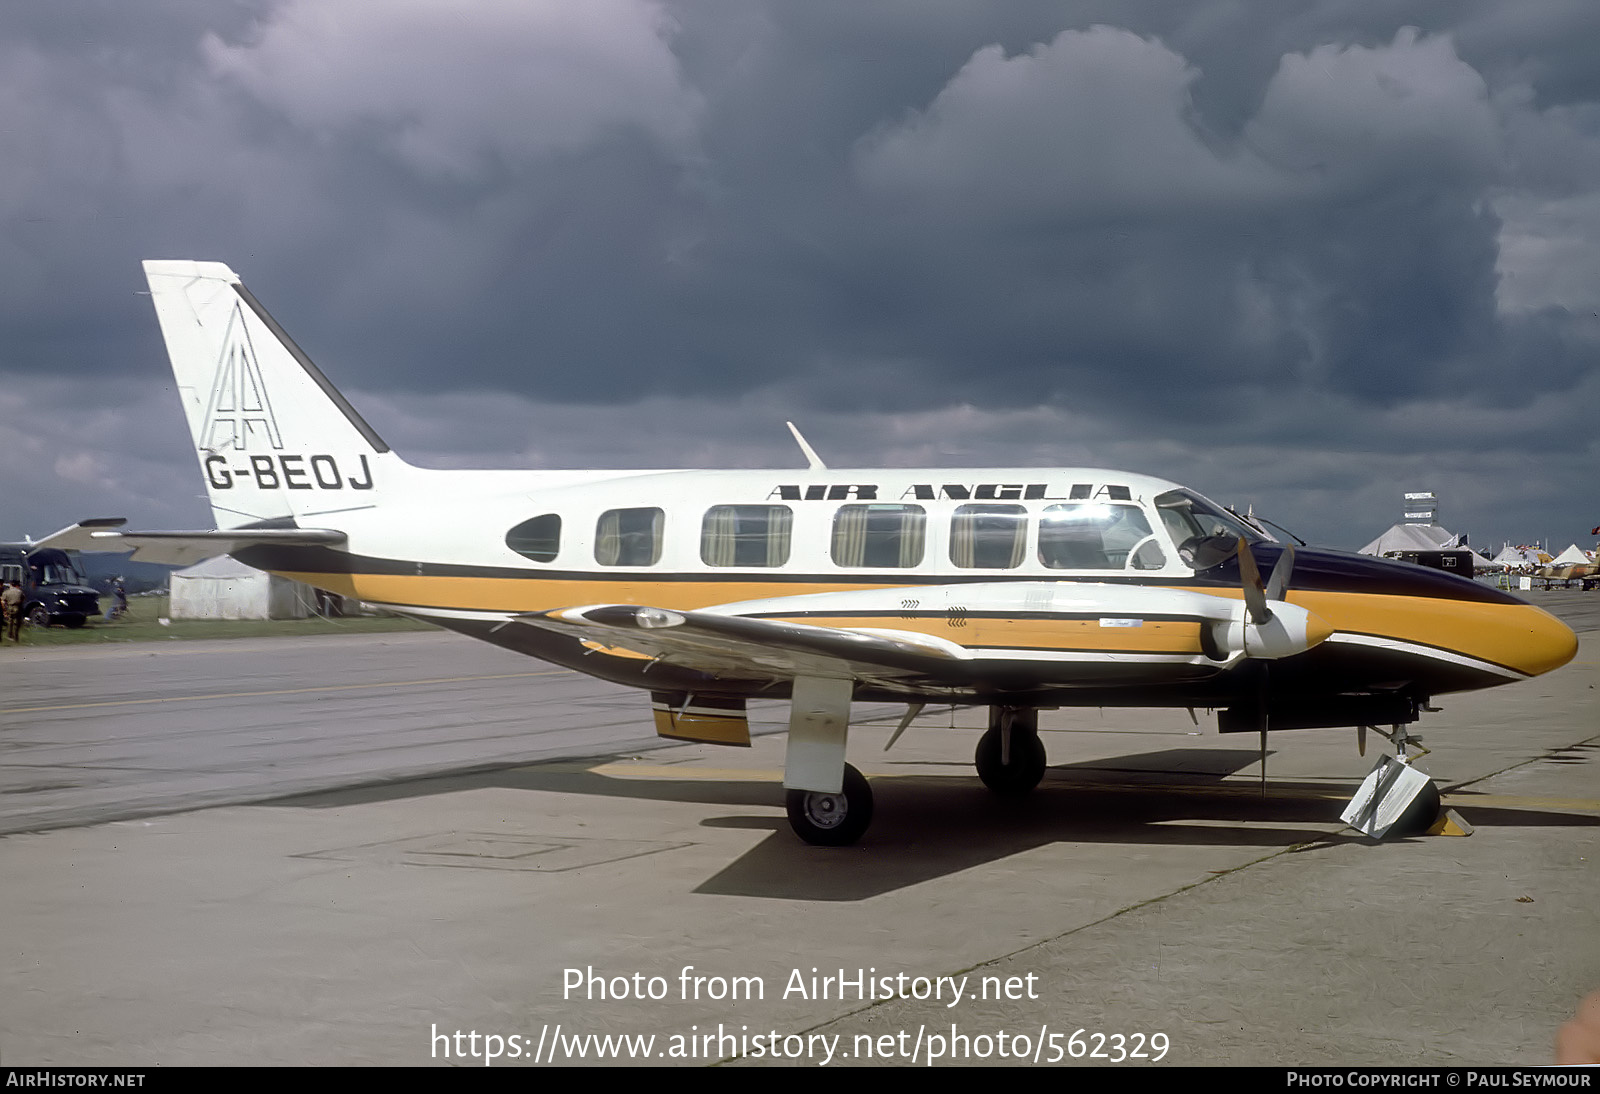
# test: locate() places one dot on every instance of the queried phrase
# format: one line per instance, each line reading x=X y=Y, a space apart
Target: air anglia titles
x=950 y=491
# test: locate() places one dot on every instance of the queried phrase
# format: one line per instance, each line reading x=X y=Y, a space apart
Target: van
x=54 y=589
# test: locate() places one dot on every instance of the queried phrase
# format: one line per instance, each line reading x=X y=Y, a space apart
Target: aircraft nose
x=1543 y=641
x=1318 y=629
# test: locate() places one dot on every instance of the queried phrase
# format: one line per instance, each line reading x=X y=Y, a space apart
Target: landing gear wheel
x=1022 y=774
x=38 y=616
x=1420 y=814
x=832 y=820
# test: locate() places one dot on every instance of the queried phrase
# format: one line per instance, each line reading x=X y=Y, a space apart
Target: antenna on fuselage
x=813 y=461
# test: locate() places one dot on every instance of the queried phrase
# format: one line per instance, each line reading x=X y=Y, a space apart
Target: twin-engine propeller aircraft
x=1013 y=589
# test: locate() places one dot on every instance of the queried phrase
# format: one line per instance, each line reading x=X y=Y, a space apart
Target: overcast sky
x=1300 y=255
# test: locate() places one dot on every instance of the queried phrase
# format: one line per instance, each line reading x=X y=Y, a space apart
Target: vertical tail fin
x=275 y=439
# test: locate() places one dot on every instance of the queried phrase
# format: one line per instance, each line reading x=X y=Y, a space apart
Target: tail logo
x=239 y=416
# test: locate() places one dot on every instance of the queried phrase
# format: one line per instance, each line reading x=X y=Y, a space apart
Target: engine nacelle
x=1291 y=630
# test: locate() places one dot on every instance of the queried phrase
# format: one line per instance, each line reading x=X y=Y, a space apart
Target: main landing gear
x=829 y=802
x=1010 y=757
x=832 y=820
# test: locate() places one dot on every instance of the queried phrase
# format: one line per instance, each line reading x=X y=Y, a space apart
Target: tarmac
x=413 y=849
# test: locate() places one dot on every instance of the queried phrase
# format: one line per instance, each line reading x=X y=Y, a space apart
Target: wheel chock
x=1450 y=823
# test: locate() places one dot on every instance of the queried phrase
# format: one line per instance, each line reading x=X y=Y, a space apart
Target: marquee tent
x=222 y=588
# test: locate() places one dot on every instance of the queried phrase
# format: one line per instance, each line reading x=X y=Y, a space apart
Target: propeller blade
x=1278 y=583
x=1255 y=595
x=1261 y=713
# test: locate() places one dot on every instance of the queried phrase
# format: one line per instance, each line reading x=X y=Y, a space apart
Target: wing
x=954 y=638
x=742 y=648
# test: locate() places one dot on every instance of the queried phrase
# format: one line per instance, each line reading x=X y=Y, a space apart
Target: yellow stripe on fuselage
x=1518 y=636
x=500 y=594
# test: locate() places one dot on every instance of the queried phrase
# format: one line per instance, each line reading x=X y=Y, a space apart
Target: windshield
x=51 y=567
x=1206 y=534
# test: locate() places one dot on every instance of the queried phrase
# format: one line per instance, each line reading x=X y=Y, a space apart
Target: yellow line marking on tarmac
x=279 y=691
x=627 y=769
x=1515 y=801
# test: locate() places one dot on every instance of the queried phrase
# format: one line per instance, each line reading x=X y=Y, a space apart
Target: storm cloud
x=1297 y=255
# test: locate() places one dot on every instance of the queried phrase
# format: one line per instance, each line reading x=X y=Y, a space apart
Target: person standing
x=11 y=602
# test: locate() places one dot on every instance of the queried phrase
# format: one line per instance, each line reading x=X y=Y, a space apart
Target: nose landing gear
x=1396 y=799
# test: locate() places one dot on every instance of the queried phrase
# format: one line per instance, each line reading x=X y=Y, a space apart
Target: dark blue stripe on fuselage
x=1321 y=570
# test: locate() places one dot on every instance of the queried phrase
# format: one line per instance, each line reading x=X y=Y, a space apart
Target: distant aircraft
x=1015 y=589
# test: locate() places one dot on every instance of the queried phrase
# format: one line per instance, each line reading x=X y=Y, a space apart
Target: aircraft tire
x=1022 y=774
x=38 y=616
x=1419 y=815
x=832 y=820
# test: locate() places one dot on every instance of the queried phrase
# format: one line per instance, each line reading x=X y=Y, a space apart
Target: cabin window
x=746 y=535
x=538 y=538
x=878 y=535
x=1098 y=536
x=628 y=537
x=988 y=537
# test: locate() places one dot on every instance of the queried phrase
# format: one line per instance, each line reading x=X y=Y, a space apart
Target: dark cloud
x=1315 y=251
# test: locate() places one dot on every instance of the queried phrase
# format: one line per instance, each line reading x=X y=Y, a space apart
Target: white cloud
x=1095 y=122
x=453 y=87
x=1100 y=123
x=1356 y=115
x=1549 y=253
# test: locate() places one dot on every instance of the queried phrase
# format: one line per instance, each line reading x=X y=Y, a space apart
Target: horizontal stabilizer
x=80 y=536
x=185 y=548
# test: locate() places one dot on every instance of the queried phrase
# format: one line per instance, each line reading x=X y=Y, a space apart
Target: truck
x=54 y=589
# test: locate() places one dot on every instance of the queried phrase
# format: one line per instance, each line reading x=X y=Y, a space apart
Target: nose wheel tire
x=832 y=820
x=1022 y=774
x=1420 y=815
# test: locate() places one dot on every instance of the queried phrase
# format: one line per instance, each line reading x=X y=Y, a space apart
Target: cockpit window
x=1206 y=534
x=1098 y=536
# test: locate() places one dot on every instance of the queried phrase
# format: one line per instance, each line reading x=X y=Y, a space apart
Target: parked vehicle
x=54 y=589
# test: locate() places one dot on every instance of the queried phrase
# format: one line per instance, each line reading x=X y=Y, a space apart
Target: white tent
x=1572 y=556
x=1413 y=537
x=1482 y=564
x=1517 y=556
x=222 y=588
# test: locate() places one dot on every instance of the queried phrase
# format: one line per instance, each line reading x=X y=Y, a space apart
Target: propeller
x=1258 y=596
x=1269 y=627
x=1258 y=600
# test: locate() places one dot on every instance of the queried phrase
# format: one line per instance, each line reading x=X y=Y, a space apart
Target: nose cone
x=1543 y=641
x=1317 y=630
